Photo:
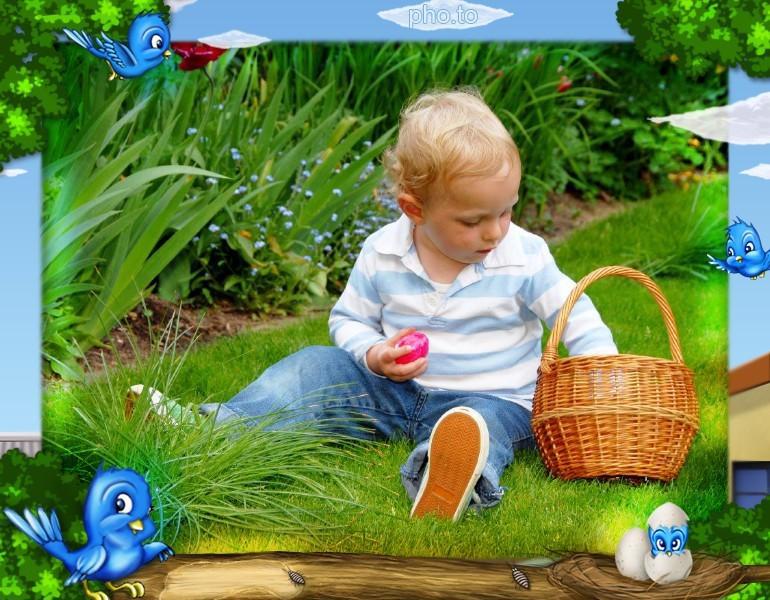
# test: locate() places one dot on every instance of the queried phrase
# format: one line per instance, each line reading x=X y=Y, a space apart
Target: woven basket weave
x=614 y=416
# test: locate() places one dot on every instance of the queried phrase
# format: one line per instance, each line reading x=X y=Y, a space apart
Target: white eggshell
x=664 y=569
x=630 y=554
x=667 y=515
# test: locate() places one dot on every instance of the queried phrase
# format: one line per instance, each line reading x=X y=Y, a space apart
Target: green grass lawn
x=538 y=515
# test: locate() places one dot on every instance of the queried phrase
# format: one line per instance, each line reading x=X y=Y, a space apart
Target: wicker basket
x=614 y=416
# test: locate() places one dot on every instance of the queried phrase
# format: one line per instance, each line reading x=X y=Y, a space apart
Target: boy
x=454 y=268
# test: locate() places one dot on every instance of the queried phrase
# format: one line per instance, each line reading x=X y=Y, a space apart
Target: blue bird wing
x=117 y=52
x=81 y=38
x=89 y=562
x=721 y=264
x=766 y=263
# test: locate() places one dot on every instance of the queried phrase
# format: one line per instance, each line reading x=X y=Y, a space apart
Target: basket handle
x=551 y=351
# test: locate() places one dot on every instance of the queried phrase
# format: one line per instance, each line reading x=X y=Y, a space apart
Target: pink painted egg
x=419 y=343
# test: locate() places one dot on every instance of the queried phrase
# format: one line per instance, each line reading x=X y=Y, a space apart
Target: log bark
x=331 y=576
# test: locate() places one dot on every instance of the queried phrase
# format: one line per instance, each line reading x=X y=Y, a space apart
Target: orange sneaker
x=458 y=450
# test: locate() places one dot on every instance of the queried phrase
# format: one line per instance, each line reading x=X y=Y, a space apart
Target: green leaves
x=701 y=34
x=32 y=86
x=740 y=534
x=26 y=570
x=107 y=235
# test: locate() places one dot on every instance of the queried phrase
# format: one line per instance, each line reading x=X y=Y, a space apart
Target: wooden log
x=331 y=576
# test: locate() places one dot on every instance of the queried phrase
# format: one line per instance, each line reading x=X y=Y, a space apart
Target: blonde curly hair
x=444 y=135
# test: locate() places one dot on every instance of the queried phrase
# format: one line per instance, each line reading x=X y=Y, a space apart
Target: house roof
x=749 y=375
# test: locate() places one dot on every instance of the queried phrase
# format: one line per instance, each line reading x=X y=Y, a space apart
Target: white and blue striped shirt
x=484 y=331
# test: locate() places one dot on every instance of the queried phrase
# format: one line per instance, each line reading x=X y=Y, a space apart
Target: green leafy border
x=32 y=70
x=701 y=35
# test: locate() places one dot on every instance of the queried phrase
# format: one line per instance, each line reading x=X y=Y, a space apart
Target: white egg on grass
x=630 y=553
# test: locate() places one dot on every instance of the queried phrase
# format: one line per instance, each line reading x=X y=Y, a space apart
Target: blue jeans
x=326 y=384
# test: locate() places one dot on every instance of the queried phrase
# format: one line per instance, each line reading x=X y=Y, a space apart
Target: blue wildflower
x=247 y=207
x=191 y=131
x=337 y=192
x=303 y=162
x=308 y=194
x=318 y=238
x=213 y=228
x=580 y=102
x=254 y=271
x=288 y=224
x=259 y=244
x=211 y=180
x=270 y=178
x=223 y=235
x=327 y=248
x=615 y=122
x=254 y=178
x=305 y=173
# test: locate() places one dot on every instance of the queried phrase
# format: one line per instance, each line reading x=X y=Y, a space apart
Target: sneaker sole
x=458 y=450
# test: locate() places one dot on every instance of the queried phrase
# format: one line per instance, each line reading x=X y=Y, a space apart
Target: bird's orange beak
x=739 y=259
x=167 y=53
x=136 y=526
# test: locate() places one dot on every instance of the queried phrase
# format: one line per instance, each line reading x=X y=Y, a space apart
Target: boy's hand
x=381 y=359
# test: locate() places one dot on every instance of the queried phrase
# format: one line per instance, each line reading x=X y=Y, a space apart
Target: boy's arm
x=355 y=322
x=545 y=293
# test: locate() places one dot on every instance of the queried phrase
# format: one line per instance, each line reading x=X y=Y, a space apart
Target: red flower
x=196 y=55
x=565 y=83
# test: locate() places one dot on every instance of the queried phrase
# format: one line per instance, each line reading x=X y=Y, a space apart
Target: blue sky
x=749 y=200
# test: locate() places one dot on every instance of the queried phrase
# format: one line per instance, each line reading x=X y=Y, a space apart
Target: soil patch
x=554 y=221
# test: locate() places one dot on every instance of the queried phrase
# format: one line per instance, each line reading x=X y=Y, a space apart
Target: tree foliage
x=31 y=69
x=701 y=34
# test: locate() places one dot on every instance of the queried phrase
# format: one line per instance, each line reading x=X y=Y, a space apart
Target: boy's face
x=468 y=218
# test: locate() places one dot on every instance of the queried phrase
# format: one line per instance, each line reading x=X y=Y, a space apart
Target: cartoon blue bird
x=148 y=44
x=116 y=517
x=745 y=254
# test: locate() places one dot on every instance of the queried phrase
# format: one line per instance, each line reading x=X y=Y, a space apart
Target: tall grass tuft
x=685 y=238
x=203 y=476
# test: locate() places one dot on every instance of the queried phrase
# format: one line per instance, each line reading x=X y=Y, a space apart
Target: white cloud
x=234 y=39
x=177 y=5
x=443 y=14
x=743 y=122
x=13 y=172
x=761 y=170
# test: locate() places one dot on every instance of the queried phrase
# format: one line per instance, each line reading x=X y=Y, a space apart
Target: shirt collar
x=397 y=237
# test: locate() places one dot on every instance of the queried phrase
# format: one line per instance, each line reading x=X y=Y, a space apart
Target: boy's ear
x=412 y=207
